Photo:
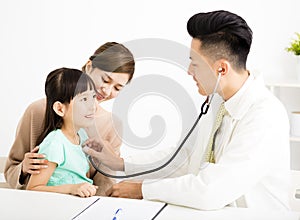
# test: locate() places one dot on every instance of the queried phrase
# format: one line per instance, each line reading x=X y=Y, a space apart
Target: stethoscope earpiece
x=220 y=70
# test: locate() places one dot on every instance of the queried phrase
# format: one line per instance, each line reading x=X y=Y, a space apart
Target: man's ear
x=222 y=66
x=59 y=108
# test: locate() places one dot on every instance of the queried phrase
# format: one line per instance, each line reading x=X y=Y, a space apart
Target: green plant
x=295 y=46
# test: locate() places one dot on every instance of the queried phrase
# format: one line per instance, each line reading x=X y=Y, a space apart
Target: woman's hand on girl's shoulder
x=33 y=162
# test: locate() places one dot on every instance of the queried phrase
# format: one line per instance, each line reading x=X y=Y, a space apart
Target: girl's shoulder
x=53 y=136
x=53 y=146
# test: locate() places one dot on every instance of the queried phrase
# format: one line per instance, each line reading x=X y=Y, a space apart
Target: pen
x=115 y=216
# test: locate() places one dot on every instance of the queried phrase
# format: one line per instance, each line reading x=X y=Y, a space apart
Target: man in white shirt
x=248 y=163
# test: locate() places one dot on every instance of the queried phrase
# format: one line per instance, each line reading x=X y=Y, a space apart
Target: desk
x=22 y=205
x=228 y=213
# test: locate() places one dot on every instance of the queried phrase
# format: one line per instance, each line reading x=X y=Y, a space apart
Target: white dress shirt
x=252 y=155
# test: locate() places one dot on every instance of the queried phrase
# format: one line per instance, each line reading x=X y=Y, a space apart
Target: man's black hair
x=223 y=35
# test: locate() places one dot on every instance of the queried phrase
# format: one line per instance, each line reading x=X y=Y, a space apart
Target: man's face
x=201 y=69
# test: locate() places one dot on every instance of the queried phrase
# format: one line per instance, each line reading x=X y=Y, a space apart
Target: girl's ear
x=59 y=108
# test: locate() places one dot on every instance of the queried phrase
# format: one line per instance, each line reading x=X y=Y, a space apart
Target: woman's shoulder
x=108 y=119
x=104 y=124
x=34 y=116
x=36 y=107
x=102 y=111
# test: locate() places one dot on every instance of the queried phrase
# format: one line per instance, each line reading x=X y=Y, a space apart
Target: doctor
x=247 y=147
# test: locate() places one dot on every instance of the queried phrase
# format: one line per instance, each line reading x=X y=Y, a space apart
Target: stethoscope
x=204 y=109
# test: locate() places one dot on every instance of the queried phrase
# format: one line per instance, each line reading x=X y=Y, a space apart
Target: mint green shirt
x=72 y=164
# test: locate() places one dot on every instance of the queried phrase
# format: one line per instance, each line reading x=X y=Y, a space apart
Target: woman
x=111 y=67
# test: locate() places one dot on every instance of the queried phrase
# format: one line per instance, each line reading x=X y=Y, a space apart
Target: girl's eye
x=84 y=99
x=94 y=96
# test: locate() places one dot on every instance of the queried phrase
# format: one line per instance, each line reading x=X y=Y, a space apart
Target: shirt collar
x=238 y=104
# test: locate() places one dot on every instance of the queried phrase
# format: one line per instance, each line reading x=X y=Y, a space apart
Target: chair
x=295 y=197
x=3 y=183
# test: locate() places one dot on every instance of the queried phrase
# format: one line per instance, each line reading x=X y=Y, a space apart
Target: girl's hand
x=33 y=162
x=84 y=189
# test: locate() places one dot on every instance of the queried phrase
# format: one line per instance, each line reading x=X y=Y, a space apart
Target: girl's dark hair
x=62 y=85
x=223 y=35
x=113 y=57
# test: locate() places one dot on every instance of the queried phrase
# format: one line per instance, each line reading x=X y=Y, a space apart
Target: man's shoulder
x=267 y=104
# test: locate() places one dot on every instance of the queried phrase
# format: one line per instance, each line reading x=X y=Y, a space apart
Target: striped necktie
x=210 y=157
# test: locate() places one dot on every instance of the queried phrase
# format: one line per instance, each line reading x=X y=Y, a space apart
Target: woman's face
x=108 y=84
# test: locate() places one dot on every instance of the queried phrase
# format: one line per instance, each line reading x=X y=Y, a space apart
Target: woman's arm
x=39 y=183
x=21 y=160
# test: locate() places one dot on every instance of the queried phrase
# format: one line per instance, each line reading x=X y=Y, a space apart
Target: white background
x=40 y=36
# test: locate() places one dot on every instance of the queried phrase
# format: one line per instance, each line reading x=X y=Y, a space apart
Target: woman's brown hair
x=113 y=57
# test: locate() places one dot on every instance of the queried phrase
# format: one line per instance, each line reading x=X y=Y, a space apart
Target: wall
x=39 y=36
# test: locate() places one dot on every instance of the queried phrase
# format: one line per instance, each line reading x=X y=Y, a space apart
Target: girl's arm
x=39 y=183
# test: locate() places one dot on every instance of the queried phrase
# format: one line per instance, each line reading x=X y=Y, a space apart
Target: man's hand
x=33 y=162
x=101 y=150
x=131 y=190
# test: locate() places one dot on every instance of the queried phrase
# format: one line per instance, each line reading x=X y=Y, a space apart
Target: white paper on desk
x=130 y=209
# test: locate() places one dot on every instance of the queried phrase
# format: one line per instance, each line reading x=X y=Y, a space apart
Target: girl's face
x=82 y=108
x=108 y=84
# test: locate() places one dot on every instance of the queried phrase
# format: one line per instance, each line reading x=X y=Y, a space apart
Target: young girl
x=71 y=105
